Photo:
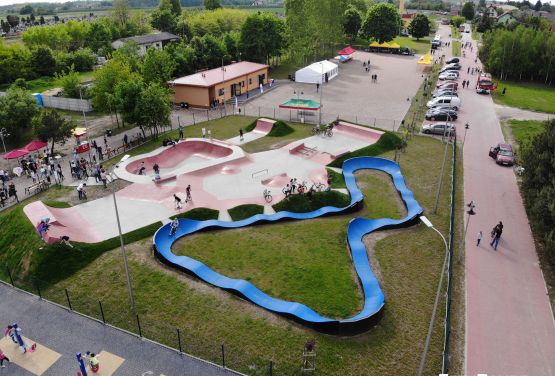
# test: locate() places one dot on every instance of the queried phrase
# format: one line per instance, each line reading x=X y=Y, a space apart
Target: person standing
x=468 y=70
x=180 y=129
x=478 y=238
x=156 y=168
x=12 y=192
x=2 y=358
x=125 y=139
x=496 y=234
x=241 y=138
x=177 y=201
x=81 y=191
x=103 y=177
x=203 y=132
x=188 y=192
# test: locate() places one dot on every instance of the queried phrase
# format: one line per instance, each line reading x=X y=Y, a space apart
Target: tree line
x=521 y=54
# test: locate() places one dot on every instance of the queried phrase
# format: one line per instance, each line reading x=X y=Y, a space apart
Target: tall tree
x=26 y=9
x=106 y=79
x=352 y=21
x=127 y=96
x=158 y=66
x=176 y=7
x=155 y=104
x=468 y=11
x=120 y=11
x=17 y=108
x=382 y=22
x=49 y=125
x=262 y=36
x=212 y=4
x=99 y=37
x=538 y=6
x=419 y=26
x=163 y=18
x=12 y=20
x=42 y=61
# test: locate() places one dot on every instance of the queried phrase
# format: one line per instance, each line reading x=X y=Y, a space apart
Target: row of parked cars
x=445 y=102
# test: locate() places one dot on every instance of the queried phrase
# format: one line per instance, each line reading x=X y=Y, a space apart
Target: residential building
x=159 y=41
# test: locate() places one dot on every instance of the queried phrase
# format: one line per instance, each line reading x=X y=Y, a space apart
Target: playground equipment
x=13 y=331
x=357 y=229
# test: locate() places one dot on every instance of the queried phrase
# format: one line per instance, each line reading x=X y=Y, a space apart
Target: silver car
x=443 y=93
x=438 y=128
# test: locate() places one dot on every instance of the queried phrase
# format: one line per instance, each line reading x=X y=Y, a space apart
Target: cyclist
x=174 y=226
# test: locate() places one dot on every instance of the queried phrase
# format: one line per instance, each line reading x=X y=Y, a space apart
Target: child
x=478 y=238
x=177 y=202
x=2 y=358
x=174 y=226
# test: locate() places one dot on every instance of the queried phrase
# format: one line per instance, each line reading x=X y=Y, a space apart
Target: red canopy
x=347 y=51
x=35 y=145
x=17 y=153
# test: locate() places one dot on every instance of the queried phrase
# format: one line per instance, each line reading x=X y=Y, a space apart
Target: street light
x=4 y=133
x=471 y=205
x=427 y=222
x=298 y=93
x=466 y=127
x=85 y=120
x=321 y=91
x=123 y=254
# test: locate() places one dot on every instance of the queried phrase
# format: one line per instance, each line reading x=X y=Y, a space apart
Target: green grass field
x=41 y=84
x=456 y=47
x=524 y=130
x=455 y=33
x=529 y=96
x=312 y=266
x=418 y=46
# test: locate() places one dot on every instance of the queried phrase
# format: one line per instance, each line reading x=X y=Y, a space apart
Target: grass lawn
x=284 y=69
x=41 y=84
x=418 y=46
x=313 y=267
x=455 y=33
x=456 y=47
x=524 y=130
x=529 y=96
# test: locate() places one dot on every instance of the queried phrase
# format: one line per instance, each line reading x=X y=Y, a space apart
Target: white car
x=446 y=101
x=449 y=75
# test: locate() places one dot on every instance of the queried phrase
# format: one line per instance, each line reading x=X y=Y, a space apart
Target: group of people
x=177 y=200
x=465 y=83
x=301 y=188
x=7 y=191
x=366 y=66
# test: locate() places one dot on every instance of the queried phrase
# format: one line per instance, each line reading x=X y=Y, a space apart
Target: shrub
x=302 y=204
x=280 y=129
x=245 y=211
x=388 y=141
x=199 y=214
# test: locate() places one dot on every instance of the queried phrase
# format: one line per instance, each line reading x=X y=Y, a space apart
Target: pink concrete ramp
x=63 y=222
x=173 y=156
x=264 y=126
x=277 y=181
x=368 y=134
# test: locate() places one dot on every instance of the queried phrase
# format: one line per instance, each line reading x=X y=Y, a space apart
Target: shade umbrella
x=17 y=153
x=35 y=145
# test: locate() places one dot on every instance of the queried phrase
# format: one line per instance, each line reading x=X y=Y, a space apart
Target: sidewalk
x=66 y=333
x=509 y=322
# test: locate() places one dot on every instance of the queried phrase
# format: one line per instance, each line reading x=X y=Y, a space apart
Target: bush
x=302 y=204
x=337 y=180
x=388 y=141
x=280 y=129
x=199 y=214
x=245 y=211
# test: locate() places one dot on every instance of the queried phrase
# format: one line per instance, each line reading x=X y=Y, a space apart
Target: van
x=444 y=100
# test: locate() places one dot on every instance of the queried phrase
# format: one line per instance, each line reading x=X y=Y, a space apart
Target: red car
x=448 y=85
x=503 y=154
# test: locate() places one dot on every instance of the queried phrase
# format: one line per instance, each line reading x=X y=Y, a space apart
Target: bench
x=37 y=187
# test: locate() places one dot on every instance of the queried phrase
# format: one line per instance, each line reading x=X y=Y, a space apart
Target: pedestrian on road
x=478 y=238
x=2 y=358
x=317 y=86
x=496 y=234
x=188 y=192
x=177 y=202
x=241 y=138
x=12 y=192
x=468 y=70
x=180 y=129
x=156 y=168
x=125 y=143
x=203 y=132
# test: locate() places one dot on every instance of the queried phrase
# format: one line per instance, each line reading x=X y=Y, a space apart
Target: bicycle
x=267 y=196
x=318 y=187
x=316 y=130
x=302 y=188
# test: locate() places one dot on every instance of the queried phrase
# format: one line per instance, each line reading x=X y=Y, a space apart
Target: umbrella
x=17 y=153
x=35 y=145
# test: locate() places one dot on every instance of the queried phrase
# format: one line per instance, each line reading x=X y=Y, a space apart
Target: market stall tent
x=318 y=72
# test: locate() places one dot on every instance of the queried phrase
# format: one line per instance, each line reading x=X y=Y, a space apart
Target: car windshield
x=486 y=83
x=506 y=153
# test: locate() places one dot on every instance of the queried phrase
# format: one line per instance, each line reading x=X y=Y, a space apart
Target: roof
x=150 y=38
x=347 y=51
x=301 y=104
x=506 y=14
x=215 y=76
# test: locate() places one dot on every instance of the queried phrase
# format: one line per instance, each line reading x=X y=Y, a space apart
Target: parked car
x=447 y=100
x=503 y=154
x=455 y=66
x=406 y=51
x=453 y=60
x=438 y=128
x=441 y=114
x=451 y=75
x=444 y=92
x=445 y=106
x=448 y=85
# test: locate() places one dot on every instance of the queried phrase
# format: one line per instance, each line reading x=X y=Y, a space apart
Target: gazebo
x=346 y=54
x=301 y=105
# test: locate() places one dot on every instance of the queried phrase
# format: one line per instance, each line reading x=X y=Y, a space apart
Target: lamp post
x=123 y=254
x=298 y=93
x=3 y=134
x=471 y=205
x=321 y=91
x=427 y=222
x=85 y=120
x=466 y=127
x=440 y=181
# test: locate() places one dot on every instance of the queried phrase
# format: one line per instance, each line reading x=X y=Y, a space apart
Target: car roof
x=505 y=147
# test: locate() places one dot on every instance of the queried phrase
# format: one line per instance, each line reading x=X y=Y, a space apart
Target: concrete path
x=506 y=113
x=509 y=323
x=66 y=333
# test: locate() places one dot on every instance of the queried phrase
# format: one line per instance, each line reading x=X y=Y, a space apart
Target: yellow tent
x=425 y=60
x=79 y=131
x=374 y=44
x=385 y=45
x=394 y=45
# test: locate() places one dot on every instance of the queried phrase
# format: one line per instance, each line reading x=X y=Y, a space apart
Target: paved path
x=506 y=112
x=509 y=323
x=66 y=333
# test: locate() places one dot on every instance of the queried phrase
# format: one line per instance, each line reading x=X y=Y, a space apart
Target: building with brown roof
x=204 y=88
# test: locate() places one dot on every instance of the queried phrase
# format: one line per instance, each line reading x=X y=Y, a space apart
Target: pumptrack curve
x=357 y=229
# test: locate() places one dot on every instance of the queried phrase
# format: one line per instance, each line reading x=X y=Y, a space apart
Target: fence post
x=274 y=113
x=194 y=119
x=102 y=312
x=10 y=275
x=208 y=114
x=223 y=355
x=179 y=341
x=68 y=300
x=139 y=326
x=271 y=367
x=38 y=288
x=178 y=121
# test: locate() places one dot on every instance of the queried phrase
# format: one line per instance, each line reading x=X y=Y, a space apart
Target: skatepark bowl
x=357 y=229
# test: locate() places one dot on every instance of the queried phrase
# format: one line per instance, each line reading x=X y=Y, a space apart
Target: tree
x=26 y=9
x=155 y=105
x=538 y=6
x=99 y=36
x=41 y=20
x=42 y=61
x=70 y=82
x=212 y=4
x=419 y=26
x=49 y=125
x=17 y=108
x=468 y=11
x=262 y=36
x=12 y=20
x=106 y=79
x=209 y=52
x=20 y=83
x=158 y=66
x=457 y=21
x=5 y=26
x=184 y=57
x=484 y=24
x=360 y=5
x=120 y=12
x=538 y=186
x=546 y=7
x=127 y=95
x=163 y=18
x=382 y=22
x=352 y=20
x=231 y=42
x=176 y=7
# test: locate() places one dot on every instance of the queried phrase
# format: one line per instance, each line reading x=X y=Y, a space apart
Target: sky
x=9 y=2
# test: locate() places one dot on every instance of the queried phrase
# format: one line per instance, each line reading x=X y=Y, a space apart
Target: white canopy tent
x=318 y=72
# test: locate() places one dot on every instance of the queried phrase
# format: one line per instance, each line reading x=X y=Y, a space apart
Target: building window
x=250 y=81
x=242 y=83
x=221 y=92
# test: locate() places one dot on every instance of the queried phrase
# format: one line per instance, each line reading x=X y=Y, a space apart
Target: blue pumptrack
x=357 y=229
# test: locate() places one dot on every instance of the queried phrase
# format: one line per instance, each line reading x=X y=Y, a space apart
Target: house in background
x=145 y=42
x=204 y=89
x=506 y=18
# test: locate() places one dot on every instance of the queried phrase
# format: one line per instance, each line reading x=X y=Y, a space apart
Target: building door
x=261 y=78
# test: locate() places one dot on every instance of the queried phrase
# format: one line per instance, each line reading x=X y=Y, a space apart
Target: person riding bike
x=174 y=226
